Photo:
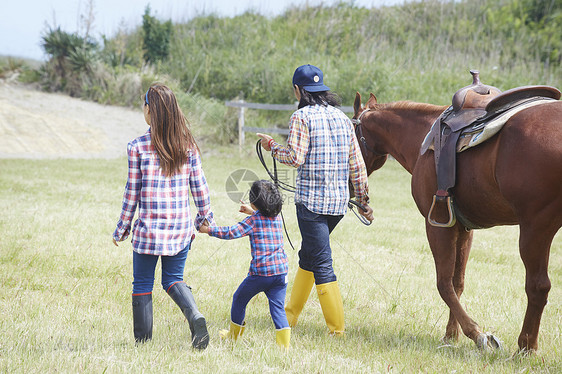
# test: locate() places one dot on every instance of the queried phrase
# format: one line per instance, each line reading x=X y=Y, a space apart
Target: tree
x=156 y=38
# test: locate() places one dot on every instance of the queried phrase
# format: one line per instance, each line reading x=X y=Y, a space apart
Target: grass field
x=65 y=303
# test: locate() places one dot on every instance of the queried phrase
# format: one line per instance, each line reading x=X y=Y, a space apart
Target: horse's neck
x=405 y=127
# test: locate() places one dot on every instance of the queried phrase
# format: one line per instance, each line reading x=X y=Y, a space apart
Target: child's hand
x=204 y=229
x=245 y=208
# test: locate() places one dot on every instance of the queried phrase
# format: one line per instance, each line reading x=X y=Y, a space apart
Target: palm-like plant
x=71 y=58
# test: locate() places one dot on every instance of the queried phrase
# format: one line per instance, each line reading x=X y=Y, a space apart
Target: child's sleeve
x=200 y=192
x=131 y=195
x=233 y=232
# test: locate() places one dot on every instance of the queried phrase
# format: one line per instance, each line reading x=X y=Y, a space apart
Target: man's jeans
x=315 y=254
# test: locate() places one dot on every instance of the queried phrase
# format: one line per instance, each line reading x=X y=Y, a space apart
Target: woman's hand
x=115 y=242
x=266 y=141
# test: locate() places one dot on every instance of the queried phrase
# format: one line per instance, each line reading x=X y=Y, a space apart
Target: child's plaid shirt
x=266 y=242
x=164 y=225
x=323 y=146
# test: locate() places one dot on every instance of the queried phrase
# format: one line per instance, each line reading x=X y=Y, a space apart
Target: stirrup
x=439 y=197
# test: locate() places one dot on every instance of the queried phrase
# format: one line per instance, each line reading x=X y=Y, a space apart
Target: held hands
x=204 y=229
x=266 y=141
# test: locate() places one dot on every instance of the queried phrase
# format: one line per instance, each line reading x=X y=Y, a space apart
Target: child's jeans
x=274 y=287
x=145 y=265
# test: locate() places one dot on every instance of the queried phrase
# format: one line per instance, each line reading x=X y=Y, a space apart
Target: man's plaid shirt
x=266 y=242
x=323 y=146
x=164 y=225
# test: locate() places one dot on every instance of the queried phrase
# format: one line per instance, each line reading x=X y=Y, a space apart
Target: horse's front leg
x=534 y=247
x=444 y=243
x=463 y=246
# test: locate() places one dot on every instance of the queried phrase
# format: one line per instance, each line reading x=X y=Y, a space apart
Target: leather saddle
x=472 y=108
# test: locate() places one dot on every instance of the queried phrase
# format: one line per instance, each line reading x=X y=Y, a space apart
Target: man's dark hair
x=324 y=98
x=266 y=197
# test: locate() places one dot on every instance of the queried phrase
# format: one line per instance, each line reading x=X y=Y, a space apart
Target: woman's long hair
x=170 y=134
x=324 y=98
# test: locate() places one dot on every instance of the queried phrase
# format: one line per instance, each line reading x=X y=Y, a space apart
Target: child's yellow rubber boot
x=234 y=332
x=304 y=280
x=283 y=337
x=332 y=306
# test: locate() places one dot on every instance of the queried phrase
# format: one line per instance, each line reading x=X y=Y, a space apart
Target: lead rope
x=278 y=184
x=351 y=204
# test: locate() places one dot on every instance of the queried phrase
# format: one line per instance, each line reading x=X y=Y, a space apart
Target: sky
x=22 y=22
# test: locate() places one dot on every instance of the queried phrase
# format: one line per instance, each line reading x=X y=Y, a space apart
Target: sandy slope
x=35 y=124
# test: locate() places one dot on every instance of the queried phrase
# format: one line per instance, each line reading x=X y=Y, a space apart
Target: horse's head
x=373 y=154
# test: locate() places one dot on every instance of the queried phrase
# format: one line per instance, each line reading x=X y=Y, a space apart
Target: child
x=268 y=268
x=164 y=165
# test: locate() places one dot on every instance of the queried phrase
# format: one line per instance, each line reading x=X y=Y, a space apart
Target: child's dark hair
x=266 y=197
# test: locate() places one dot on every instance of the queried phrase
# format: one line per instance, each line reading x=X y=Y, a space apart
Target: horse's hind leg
x=443 y=243
x=534 y=247
x=464 y=244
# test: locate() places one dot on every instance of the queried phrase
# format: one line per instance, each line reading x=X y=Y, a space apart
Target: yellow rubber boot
x=304 y=280
x=234 y=332
x=332 y=306
x=283 y=337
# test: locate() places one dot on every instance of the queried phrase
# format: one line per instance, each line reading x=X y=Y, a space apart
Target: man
x=323 y=146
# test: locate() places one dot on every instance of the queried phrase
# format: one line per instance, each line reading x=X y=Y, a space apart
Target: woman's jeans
x=274 y=287
x=145 y=265
x=315 y=254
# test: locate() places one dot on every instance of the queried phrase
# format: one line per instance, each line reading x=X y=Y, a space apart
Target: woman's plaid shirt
x=164 y=225
x=323 y=146
x=266 y=242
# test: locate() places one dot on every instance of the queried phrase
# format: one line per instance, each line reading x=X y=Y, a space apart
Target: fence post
x=241 y=126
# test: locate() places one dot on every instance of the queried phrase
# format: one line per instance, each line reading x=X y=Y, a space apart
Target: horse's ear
x=357 y=103
x=372 y=101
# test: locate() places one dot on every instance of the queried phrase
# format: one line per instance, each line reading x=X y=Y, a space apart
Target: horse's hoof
x=486 y=341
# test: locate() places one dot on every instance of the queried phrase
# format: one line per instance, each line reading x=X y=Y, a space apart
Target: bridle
x=359 y=131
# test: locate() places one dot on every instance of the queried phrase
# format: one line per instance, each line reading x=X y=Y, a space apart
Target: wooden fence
x=242 y=105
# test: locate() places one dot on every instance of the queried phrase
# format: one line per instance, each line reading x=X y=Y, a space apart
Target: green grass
x=65 y=289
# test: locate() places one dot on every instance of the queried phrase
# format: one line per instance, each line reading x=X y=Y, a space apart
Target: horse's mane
x=413 y=106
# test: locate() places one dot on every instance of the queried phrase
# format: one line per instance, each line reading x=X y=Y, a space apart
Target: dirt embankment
x=35 y=124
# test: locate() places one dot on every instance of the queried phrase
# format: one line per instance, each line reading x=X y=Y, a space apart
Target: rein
x=292 y=189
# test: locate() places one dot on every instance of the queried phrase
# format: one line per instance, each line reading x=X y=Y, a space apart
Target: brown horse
x=513 y=178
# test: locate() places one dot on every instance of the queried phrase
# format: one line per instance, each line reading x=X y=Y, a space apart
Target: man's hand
x=265 y=141
x=368 y=213
x=115 y=242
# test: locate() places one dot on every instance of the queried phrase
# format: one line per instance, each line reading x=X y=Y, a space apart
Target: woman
x=323 y=146
x=164 y=166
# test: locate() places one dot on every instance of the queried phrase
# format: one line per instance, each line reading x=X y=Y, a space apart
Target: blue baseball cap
x=310 y=78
